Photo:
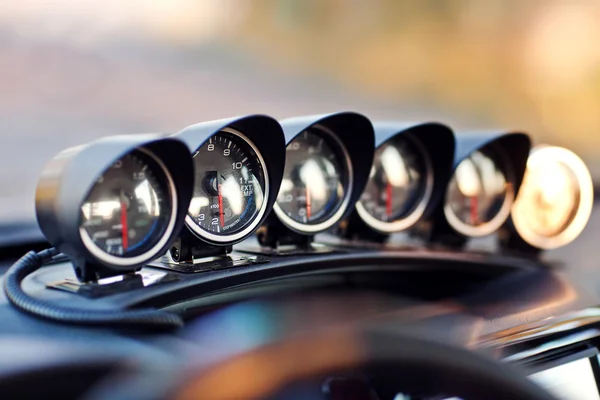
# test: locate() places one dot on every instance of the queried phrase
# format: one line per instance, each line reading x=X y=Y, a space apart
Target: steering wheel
x=389 y=362
x=322 y=361
x=299 y=368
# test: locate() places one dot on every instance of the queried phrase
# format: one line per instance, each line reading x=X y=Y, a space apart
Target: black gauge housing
x=265 y=135
x=353 y=135
x=507 y=149
x=67 y=180
x=436 y=144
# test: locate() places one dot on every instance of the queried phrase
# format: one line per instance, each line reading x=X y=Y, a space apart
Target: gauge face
x=399 y=185
x=129 y=209
x=479 y=195
x=230 y=188
x=551 y=196
x=555 y=198
x=315 y=181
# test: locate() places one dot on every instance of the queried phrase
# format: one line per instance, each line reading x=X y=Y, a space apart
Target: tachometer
x=129 y=208
x=399 y=187
x=231 y=187
x=555 y=200
x=316 y=183
x=480 y=194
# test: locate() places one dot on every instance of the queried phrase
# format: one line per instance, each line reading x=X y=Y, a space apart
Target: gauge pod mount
x=328 y=158
x=116 y=203
x=486 y=177
x=239 y=165
x=411 y=168
x=554 y=204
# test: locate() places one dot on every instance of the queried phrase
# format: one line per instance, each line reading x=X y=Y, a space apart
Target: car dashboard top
x=296 y=223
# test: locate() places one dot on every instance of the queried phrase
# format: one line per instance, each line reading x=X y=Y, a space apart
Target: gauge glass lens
x=314 y=180
x=478 y=192
x=230 y=185
x=549 y=198
x=397 y=182
x=128 y=210
x=555 y=199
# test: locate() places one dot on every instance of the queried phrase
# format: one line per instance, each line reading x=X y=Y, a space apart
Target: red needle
x=221 y=207
x=388 y=199
x=307 y=194
x=474 y=210
x=124 y=243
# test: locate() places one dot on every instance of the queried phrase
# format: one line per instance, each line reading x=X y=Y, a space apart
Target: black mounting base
x=274 y=234
x=290 y=250
x=354 y=228
x=438 y=232
x=186 y=250
x=87 y=272
x=512 y=243
x=115 y=284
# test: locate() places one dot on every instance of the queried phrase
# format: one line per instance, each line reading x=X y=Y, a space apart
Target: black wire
x=32 y=261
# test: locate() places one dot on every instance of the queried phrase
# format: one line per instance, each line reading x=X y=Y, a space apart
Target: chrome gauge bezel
x=411 y=219
x=110 y=259
x=310 y=229
x=488 y=228
x=544 y=154
x=234 y=237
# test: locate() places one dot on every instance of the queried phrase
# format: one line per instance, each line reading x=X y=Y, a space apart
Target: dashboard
x=229 y=234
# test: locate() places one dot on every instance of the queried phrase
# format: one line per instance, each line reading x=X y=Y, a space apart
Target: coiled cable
x=32 y=261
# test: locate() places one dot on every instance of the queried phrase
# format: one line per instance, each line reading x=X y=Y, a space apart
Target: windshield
x=75 y=71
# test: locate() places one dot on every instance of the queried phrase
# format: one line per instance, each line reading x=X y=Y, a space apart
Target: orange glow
x=259 y=373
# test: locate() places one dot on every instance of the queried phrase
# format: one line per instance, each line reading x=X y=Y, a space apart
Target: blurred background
x=73 y=71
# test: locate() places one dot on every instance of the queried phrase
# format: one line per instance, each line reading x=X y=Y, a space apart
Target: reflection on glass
x=147 y=196
x=313 y=175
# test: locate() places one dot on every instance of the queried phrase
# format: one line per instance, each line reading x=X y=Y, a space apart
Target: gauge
x=315 y=189
x=399 y=187
x=230 y=189
x=555 y=199
x=480 y=194
x=129 y=210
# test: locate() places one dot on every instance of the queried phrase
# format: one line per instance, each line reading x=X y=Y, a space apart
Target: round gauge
x=315 y=189
x=399 y=187
x=230 y=190
x=480 y=194
x=555 y=199
x=130 y=212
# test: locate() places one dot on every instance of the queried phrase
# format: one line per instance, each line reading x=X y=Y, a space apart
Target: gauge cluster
x=120 y=202
x=554 y=203
x=316 y=181
x=487 y=172
x=130 y=208
x=328 y=159
x=411 y=166
x=399 y=186
x=116 y=203
x=229 y=193
x=239 y=165
x=480 y=193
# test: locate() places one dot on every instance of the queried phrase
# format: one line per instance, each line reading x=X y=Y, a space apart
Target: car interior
x=330 y=255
